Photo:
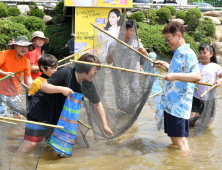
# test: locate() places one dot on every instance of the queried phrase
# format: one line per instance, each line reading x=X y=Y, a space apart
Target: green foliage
x=59 y=19
x=19 y=19
x=181 y=14
x=8 y=30
x=13 y=11
x=192 y=18
x=10 y=18
x=33 y=3
x=172 y=9
x=58 y=35
x=59 y=8
x=151 y=15
x=3 y=10
x=37 y=12
x=34 y=24
x=190 y=40
x=138 y=16
x=164 y=13
x=151 y=35
x=209 y=26
x=220 y=20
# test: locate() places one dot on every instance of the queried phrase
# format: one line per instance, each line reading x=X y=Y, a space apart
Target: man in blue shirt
x=178 y=93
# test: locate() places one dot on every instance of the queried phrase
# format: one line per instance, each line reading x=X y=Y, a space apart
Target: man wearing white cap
x=71 y=44
x=39 y=38
x=14 y=60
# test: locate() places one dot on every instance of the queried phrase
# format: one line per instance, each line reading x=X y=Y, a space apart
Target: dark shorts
x=197 y=105
x=36 y=133
x=175 y=127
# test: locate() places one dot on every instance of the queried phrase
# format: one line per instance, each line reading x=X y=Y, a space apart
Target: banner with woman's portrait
x=100 y=3
x=107 y=19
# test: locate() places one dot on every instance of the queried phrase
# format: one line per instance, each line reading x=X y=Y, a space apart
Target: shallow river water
x=144 y=147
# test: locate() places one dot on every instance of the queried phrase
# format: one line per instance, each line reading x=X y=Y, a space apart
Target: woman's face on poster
x=113 y=19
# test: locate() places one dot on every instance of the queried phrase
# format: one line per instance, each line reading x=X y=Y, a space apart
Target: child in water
x=210 y=70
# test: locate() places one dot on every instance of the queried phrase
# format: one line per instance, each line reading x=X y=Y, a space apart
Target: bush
x=13 y=11
x=164 y=13
x=34 y=24
x=220 y=20
x=151 y=35
x=9 y=30
x=58 y=35
x=59 y=8
x=37 y=12
x=192 y=18
x=33 y=3
x=20 y=19
x=181 y=14
x=3 y=10
x=151 y=15
x=172 y=9
x=208 y=26
x=138 y=16
x=59 y=19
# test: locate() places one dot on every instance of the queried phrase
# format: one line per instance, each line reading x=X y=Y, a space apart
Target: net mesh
x=11 y=89
x=204 y=113
x=122 y=94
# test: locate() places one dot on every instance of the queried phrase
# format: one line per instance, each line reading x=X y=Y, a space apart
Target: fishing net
x=11 y=89
x=203 y=111
x=122 y=94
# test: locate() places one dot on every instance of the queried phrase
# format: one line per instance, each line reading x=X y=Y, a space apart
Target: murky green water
x=144 y=147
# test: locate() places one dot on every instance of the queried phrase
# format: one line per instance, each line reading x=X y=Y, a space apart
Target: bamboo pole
x=155 y=94
x=126 y=45
x=64 y=65
x=80 y=52
x=8 y=122
x=84 y=124
x=8 y=76
x=208 y=90
x=132 y=71
x=31 y=122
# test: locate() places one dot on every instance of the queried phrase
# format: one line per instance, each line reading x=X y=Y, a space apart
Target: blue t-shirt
x=178 y=95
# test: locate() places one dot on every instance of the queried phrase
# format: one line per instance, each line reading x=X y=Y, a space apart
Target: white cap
x=73 y=34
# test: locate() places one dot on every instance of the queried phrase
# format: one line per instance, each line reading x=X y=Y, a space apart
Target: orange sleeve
x=27 y=70
x=31 y=56
x=2 y=59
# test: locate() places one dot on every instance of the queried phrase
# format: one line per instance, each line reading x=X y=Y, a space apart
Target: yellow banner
x=100 y=3
x=105 y=18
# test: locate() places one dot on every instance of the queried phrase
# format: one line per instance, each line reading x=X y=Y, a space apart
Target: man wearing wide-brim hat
x=39 y=38
x=14 y=60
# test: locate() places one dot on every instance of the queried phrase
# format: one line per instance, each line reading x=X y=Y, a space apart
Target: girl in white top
x=210 y=71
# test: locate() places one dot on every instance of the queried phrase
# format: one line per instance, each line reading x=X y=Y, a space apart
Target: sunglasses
x=52 y=68
x=168 y=39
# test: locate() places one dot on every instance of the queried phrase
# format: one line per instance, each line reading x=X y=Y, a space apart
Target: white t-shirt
x=209 y=74
x=85 y=2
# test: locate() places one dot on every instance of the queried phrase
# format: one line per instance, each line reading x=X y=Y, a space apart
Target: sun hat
x=39 y=34
x=23 y=41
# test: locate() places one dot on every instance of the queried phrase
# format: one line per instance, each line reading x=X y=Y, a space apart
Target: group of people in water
x=49 y=88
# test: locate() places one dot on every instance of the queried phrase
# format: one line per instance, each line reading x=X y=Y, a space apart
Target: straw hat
x=39 y=34
x=23 y=41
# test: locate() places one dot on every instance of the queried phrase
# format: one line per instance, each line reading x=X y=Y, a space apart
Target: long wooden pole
x=8 y=122
x=155 y=94
x=132 y=71
x=208 y=91
x=125 y=45
x=31 y=122
x=80 y=52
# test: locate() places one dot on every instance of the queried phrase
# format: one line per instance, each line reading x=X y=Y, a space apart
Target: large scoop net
x=122 y=94
x=205 y=111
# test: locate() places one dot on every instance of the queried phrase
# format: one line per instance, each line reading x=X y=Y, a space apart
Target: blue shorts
x=175 y=127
